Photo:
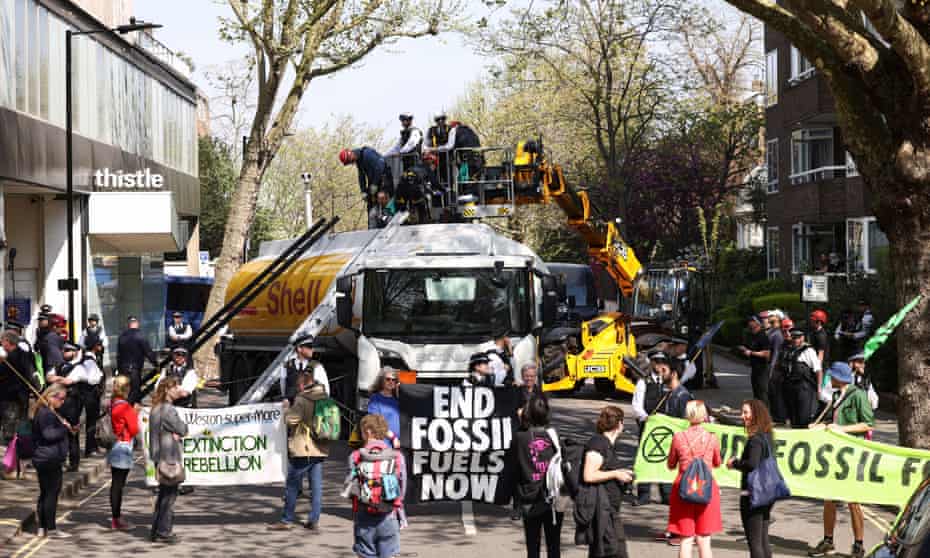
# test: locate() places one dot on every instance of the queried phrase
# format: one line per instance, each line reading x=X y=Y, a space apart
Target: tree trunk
x=909 y=234
x=238 y=223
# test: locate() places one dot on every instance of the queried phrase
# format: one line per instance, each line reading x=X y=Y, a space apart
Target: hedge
x=786 y=302
x=746 y=295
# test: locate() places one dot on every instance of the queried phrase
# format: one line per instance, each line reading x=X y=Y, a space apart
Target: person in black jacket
x=601 y=466
x=758 y=431
x=49 y=343
x=535 y=447
x=132 y=350
x=50 y=436
x=15 y=369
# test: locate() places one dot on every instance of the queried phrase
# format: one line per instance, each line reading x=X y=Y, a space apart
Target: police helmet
x=304 y=341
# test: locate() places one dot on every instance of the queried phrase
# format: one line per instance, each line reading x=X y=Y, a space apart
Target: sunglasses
x=59 y=396
x=391 y=380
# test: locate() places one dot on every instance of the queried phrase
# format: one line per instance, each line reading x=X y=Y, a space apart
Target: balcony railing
x=157 y=49
x=820 y=173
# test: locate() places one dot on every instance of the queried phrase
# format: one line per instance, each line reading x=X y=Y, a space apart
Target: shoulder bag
x=766 y=484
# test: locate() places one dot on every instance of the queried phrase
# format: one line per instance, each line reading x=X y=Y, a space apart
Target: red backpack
x=377 y=477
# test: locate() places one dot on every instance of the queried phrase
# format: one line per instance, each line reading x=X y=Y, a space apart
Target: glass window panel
x=43 y=63
x=878 y=246
x=771 y=77
x=32 y=51
x=22 y=80
x=104 y=107
x=7 y=45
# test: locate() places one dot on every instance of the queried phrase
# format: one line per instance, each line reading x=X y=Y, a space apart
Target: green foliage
x=786 y=302
x=746 y=295
x=731 y=332
x=334 y=186
x=737 y=269
x=218 y=177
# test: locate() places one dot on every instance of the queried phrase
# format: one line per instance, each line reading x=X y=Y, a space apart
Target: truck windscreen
x=443 y=303
x=656 y=295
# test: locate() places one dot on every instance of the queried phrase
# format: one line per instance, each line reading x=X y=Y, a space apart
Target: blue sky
x=423 y=76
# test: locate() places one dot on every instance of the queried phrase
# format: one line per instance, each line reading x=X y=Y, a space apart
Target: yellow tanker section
x=282 y=307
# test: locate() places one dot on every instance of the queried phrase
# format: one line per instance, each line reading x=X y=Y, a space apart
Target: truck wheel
x=604 y=386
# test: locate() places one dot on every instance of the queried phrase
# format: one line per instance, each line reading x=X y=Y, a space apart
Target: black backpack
x=466 y=137
x=572 y=462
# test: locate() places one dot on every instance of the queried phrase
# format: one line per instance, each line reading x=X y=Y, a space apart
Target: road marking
x=40 y=542
x=468 y=519
x=879 y=522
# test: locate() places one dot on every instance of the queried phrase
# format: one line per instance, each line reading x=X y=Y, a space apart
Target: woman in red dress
x=687 y=520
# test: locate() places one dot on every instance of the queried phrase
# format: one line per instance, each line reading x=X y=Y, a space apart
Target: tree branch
x=906 y=41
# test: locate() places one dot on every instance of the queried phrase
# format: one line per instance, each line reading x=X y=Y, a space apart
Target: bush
x=737 y=269
x=731 y=332
x=787 y=302
x=746 y=295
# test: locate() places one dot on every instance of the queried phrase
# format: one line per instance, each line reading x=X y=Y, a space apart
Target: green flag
x=888 y=328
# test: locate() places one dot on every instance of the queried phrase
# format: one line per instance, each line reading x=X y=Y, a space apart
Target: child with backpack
x=694 y=511
x=310 y=429
x=376 y=484
x=539 y=482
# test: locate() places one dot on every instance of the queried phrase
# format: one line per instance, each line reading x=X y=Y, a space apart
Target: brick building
x=818 y=207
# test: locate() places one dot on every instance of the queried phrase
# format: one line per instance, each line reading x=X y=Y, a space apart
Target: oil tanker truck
x=419 y=298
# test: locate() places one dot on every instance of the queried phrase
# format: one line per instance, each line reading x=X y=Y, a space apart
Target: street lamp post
x=308 y=197
x=71 y=283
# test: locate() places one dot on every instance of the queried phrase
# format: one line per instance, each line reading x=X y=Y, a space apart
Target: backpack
x=466 y=137
x=555 y=477
x=105 y=436
x=572 y=457
x=327 y=420
x=697 y=484
x=376 y=474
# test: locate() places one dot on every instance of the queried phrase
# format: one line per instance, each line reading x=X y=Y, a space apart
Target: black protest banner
x=457 y=442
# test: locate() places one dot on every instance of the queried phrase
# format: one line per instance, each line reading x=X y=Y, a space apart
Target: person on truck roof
x=381 y=213
x=373 y=172
x=408 y=144
x=302 y=362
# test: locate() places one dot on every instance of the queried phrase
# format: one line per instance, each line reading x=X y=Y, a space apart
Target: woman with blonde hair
x=689 y=520
x=50 y=436
x=166 y=429
x=125 y=423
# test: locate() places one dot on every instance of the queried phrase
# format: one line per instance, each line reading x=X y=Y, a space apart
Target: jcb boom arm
x=541 y=182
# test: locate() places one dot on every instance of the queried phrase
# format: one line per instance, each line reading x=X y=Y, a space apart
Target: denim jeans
x=297 y=469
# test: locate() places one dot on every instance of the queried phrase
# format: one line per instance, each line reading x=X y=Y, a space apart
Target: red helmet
x=344 y=156
x=819 y=316
x=787 y=323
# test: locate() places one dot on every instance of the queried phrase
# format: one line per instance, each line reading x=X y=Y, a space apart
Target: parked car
x=909 y=536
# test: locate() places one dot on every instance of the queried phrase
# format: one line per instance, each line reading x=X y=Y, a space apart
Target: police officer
x=187 y=377
x=647 y=395
x=35 y=361
x=94 y=338
x=866 y=323
x=409 y=144
x=79 y=372
x=180 y=333
x=302 y=362
x=49 y=343
x=437 y=136
x=132 y=350
x=861 y=379
x=479 y=371
x=801 y=367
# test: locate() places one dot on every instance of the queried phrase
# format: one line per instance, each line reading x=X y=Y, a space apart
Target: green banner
x=821 y=464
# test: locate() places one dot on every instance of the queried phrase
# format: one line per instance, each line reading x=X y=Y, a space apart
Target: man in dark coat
x=132 y=350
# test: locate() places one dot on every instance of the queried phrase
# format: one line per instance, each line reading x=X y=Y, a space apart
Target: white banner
x=246 y=444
